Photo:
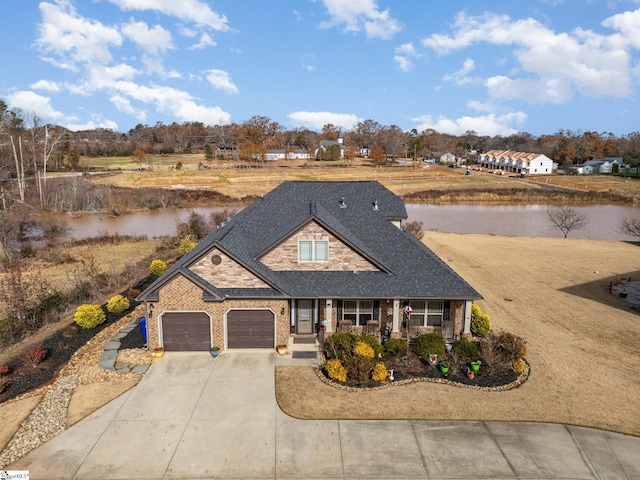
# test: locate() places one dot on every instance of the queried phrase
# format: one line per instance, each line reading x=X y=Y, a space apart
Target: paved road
x=193 y=417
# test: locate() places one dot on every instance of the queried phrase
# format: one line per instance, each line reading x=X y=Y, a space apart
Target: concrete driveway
x=193 y=417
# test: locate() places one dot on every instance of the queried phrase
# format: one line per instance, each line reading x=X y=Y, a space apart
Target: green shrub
x=429 y=343
x=466 y=349
x=89 y=316
x=186 y=244
x=336 y=370
x=373 y=342
x=157 y=268
x=397 y=346
x=118 y=304
x=480 y=322
x=339 y=345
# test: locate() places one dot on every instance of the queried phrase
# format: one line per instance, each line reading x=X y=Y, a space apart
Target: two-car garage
x=191 y=331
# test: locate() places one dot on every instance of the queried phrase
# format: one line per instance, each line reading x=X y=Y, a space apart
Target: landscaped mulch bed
x=60 y=347
x=413 y=368
x=23 y=377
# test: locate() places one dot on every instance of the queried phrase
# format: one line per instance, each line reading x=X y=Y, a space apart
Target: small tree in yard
x=567 y=219
x=631 y=226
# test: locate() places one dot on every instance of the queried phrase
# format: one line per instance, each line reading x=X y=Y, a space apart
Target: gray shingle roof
x=408 y=268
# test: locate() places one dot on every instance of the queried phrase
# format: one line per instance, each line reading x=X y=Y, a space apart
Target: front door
x=304 y=316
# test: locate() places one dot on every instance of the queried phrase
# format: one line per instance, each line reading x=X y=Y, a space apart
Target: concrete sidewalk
x=192 y=417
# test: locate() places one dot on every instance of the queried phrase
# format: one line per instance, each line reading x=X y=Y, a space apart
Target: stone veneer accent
x=341 y=257
x=227 y=274
x=181 y=292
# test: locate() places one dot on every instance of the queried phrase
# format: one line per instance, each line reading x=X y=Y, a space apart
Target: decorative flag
x=408 y=309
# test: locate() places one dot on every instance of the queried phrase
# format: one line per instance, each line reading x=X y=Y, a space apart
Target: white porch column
x=466 y=323
x=328 y=324
x=396 y=316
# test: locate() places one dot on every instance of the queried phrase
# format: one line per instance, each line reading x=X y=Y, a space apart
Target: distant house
x=429 y=159
x=281 y=154
x=448 y=158
x=506 y=161
x=326 y=144
x=364 y=152
x=602 y=165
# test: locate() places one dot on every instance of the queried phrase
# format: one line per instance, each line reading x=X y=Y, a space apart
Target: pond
x=520 y=220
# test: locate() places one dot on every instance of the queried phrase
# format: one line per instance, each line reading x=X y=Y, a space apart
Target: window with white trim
x=358 y=311
x=427 y=314
x=313 y=250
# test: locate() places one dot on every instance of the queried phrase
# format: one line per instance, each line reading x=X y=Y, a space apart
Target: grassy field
x=226 y=178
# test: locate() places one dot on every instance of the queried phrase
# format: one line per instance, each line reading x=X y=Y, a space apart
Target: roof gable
x=360 y=215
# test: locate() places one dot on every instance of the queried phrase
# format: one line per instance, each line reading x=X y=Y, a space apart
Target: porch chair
x=344 y=326
x=373 y=328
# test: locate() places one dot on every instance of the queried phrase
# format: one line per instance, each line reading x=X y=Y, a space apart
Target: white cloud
x=459 y=77
x=195 y=11
x=554 y=64
x=220 y=80
x=308 y=68
x=171 y=101
x=32 y=102
x=74 y=38
x=97 y=122
x=404 y=56
x=628 y=24
x=490 y=124
x=47 y=85
x=317 y=120
x=552 y=90
x=357 y=15
x=123 y=105
x=205 y=41
x=152 y=40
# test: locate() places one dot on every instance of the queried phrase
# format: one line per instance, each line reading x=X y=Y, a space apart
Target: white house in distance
x=325 y=144
x=516 y=162
x=599 y=165
x=273 y=155
x=448 y=158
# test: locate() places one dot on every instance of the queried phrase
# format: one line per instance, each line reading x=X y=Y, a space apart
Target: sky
x=495 y=67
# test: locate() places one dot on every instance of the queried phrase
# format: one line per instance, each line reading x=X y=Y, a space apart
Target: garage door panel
x=189 y=331
x=250 y=329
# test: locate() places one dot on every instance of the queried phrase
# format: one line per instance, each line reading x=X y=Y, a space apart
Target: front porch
x=383 y=318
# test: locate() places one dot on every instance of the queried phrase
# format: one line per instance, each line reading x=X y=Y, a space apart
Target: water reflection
x=519 y=220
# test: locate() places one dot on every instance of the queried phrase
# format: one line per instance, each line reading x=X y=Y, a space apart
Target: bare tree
x=631 y=226
x=415 y=229
x=567 y=219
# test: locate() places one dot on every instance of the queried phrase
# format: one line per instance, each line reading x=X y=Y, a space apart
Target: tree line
x=28 y=146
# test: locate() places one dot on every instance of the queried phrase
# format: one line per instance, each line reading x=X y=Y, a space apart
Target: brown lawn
x=226 y=178
x=582 y=341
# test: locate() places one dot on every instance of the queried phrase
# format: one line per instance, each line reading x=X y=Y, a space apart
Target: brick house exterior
x=307 y=255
